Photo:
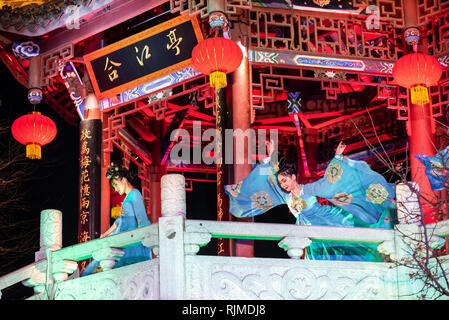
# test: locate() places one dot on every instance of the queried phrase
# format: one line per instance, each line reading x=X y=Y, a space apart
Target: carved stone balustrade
x=181 y=271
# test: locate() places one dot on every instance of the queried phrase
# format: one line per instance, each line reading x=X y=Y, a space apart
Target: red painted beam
x=338 y=119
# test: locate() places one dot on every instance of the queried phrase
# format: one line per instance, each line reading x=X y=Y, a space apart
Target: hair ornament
x=279 y=164
x=112 y=171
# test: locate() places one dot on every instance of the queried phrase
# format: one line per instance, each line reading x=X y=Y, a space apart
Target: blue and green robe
x=360 y=198
x=134 y=216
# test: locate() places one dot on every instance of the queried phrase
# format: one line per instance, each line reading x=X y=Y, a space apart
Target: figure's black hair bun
x=112 y=171
x=115 y=171
x=287 y=167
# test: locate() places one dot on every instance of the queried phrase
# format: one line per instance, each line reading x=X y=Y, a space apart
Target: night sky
x=53 y=184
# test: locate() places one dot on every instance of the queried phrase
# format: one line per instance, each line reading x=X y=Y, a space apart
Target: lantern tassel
x=33 y=151
x=419 y=95
x=218 y=80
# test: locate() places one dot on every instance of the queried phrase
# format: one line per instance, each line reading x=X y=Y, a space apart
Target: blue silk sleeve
x=437 y=168
x=257 y=193
x=354 y=187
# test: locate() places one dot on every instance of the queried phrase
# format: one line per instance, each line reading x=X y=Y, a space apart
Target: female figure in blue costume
x=360 y=198
x=132 y=215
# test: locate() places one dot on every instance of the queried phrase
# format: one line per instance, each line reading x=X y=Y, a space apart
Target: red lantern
x=34 y=130
x=417 y=71
x=217 y=57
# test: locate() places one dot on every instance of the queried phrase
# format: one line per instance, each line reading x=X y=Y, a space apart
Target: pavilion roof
x=36 y=18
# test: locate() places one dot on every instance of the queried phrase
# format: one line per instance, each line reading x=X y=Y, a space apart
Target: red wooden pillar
x=242 y=120
x=105 y=188
x=156 y=171
x=420 y=126
x=421 y=131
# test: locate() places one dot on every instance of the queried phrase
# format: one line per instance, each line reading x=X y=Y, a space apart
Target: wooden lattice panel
x=233 y=5
x=435 y=38
x=439 y=95
x=389 y=10
x=190 y=7
x=268 y=81
x=399 y=102
x=297 y=32
x=439 y=99
x=110 y=133
x=51 y=61
x=428 y=9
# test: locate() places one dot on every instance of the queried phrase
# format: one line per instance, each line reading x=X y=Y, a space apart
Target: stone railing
x=54 y=265
x=177 y=272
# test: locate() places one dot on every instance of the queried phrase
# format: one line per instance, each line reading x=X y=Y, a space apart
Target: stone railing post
x=50 y=240
x=408 y=213
x=408 y=233
x=407 y=199
x=171 y=237
x=50 y=232
x=173 y=195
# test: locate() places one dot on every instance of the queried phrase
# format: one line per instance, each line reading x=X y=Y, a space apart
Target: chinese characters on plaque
x=143 y=57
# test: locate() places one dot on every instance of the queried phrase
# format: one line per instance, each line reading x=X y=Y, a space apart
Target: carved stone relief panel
x=139 y=281
x=222 y=278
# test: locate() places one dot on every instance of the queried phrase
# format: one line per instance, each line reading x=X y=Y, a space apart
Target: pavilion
x=313 y=72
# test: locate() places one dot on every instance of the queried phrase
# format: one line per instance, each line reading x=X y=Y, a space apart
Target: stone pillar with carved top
x=173 y=195
x=171 y=237
x=50 y=240
x=407 y=199
x=50 y=232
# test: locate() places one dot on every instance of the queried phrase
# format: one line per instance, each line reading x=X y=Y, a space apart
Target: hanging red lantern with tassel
x=33 y=130
x=417 y=71
x=216 y=57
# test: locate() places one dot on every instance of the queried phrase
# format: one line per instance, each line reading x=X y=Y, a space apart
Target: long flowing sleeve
x=354 y=187
x=437 y=168
x=257 y=193
x=134 y=216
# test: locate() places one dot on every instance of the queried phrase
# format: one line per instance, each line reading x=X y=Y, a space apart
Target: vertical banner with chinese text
x=221 y=123
x=89 y=210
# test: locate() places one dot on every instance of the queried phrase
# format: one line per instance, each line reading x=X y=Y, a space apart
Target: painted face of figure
x=119 y=185
x=287 y=182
